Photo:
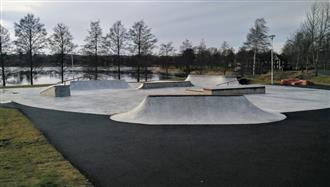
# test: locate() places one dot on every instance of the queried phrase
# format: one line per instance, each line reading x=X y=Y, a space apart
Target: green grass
x=27 y=159
x=321 y=79
x=26 y=86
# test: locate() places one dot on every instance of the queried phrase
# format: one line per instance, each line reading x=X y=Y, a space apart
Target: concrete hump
x=98 y=84
x=57 y=91
x=198 y=110
x=211 y=81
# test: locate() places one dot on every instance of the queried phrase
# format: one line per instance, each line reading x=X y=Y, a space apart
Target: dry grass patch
x=27 y=159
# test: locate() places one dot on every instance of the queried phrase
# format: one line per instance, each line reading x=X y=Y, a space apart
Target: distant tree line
x=309 y=46
x=136 y=47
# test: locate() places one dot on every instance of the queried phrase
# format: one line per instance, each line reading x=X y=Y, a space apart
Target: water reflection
x=52 y=75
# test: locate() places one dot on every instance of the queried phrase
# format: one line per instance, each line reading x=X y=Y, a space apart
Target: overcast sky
x=171 y=20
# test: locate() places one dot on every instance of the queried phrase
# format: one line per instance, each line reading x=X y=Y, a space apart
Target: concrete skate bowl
x=98 y=84
x=211 y=81
x=196 y=110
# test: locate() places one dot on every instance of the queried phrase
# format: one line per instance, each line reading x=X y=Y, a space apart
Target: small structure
x=98 y=84
x=165 y=84
x=236 y=90
x=210 y=81
x=57 y=91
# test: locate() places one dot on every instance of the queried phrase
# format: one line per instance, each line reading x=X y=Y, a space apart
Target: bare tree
x=310 y=29
x=227 y=53
x=117 y=37
x=317 y=26
x=186 y=44
x=31 y=38
x=143 y=41
x=201 y=46
x=61 y=43
x=94 y=43
x=202 y=55
x=4 y=48
x=188 y=56
x=296 y=49
x=257 y=39
x=166 y=50
x=311 y=41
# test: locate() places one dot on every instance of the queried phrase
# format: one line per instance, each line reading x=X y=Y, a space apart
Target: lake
x=51 y=75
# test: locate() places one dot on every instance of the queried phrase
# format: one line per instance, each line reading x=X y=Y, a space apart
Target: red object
x=294 y=82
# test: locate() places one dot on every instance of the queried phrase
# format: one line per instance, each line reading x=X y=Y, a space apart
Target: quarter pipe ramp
x=196 y=109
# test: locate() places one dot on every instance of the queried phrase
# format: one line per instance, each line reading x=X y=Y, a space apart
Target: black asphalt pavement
x=293 y=152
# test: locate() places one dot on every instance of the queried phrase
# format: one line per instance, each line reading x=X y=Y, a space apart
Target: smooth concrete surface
x=291 y=99
x=98 y=84
x=236 y=90
x=109 y=101
x=165 y=84
x=211 y=81
x=196 y=109
x=57 y=91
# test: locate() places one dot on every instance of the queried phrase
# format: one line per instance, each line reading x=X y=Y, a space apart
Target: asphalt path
x=293 y=152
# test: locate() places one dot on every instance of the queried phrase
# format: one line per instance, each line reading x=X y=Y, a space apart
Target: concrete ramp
x=57 y=91
x=236 y=90
x=98 y=84
x=211 y=81
x=165 y=84
x=196 y=109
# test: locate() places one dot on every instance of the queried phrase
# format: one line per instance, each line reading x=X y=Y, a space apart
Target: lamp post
x=272 y=60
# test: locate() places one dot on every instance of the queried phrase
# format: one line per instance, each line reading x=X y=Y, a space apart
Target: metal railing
x=227 y=82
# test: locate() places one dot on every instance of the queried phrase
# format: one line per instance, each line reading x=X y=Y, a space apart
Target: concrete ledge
x=165 y=84
x=98 y=84
x=236 y=90
x=57 y=91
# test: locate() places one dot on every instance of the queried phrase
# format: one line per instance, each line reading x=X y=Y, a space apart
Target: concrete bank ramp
x=57 y=91
x=165 y=84
x=98 y=84
x=196 y=109
x=211 y=81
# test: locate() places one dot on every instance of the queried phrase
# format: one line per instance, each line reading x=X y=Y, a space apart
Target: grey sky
x=214 y=21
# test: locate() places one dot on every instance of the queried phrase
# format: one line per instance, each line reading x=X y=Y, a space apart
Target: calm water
x=51 y=75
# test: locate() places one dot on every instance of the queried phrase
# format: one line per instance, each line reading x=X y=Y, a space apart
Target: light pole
x=272 y=60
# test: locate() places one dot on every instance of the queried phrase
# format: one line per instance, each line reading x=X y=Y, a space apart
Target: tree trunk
x=166 y=70
x=62 y=67
x=139 y=59
x=118 y=66
x=95 y=70
x=187 y=68
x=138 y=73
x=31 y=67
x=145 y=73
x=316 y=64
x=2 y=67
x=297 y=62
x=254 y=62
x=307 y=64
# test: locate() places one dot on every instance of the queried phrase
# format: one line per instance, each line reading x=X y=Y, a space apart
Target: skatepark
x=128 y=134
x=197 y=100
